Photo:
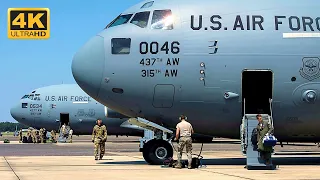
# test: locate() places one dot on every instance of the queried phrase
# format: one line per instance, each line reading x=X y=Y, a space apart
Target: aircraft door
x=64 y=119
x=163 y=96
x=257 y=87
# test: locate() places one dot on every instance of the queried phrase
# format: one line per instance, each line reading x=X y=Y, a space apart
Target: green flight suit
x=265 y=151
x=99 y=137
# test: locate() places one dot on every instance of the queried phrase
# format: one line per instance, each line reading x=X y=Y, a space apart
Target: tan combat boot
x=178 y=166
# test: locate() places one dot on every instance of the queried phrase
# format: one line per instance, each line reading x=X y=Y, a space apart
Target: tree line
x=11 y=127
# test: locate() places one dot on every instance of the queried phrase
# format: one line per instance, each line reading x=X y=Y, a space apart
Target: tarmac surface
x=123 y=160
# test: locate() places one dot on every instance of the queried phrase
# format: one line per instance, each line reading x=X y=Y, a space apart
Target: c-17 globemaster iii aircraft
x=50 y=107
x=214 y=61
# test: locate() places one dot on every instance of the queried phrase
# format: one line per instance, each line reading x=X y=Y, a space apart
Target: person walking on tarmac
x=184 y=130
x=70 y=135
x=99 y=138
x=20 y=135
x=264 y=128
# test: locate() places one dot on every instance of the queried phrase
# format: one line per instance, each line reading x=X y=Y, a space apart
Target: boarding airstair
x=249 y=123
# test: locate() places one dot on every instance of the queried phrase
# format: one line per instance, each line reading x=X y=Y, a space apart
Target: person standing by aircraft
x=63 y=129
x=41 y=135
x=53 y=136
x=264 y=128
x=20 y=135
x=34 y=136
x=99 y=138
x=70 y=135
x=44 y=135
x=184 y=130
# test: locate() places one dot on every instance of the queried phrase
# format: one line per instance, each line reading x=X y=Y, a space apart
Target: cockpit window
x=24 y=105
x=37 y=97
x=162 y=19
x=141 y=19
x=120 y=45
x=147 y=5
x=122 y=19
x=25 y=96
x=31 y=96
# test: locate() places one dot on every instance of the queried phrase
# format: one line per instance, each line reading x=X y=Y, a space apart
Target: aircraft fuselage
x=217 y=55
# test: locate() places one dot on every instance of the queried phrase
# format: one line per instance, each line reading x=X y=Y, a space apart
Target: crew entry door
x=257 y=90
x=64 y=119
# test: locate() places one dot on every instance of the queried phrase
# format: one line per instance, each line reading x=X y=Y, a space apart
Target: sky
x=30 y=64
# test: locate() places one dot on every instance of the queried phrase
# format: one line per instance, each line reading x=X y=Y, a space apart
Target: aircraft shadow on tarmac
x=220 y=142
x=238 y=142
x=125 y=162
x=239 y=161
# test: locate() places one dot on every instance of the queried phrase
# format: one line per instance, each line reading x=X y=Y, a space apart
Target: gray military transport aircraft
x=52 y=106
x=214 y=61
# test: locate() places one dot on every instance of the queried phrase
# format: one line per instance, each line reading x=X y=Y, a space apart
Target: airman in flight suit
x=264 y=128
x=99 y=138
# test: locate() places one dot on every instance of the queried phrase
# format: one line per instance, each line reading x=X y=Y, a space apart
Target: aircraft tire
x=156 y=151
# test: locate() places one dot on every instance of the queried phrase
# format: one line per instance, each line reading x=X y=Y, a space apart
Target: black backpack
x=254 y=137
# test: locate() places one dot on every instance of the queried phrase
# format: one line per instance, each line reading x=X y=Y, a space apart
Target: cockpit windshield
x=25 y=96
x=35 y=97
x=141 y=19
x=122 y=19
x=162 y=19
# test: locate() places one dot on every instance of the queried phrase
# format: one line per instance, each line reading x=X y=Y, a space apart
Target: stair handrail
x=271 y=114
x=244 y=106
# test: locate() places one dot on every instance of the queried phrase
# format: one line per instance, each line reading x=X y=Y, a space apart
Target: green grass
x=9 y=133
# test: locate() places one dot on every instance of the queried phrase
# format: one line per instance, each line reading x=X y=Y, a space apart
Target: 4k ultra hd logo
x=28 y=23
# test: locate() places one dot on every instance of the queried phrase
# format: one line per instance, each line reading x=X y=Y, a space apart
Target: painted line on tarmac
x=214 y=172
x=11 y=167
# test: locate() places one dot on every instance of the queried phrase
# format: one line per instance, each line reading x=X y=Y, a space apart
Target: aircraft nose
x=88 y=65
x=17 y=113
x=14 y=111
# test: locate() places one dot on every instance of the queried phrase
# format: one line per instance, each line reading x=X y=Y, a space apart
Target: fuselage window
x=162 y=19
x=120 y=45
x=141 y=19
x=122 y=19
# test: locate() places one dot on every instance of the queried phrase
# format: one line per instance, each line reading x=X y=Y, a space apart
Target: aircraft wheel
x=156 y=151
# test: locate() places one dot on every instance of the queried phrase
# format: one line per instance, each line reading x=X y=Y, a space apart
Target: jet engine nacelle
x=113 y=114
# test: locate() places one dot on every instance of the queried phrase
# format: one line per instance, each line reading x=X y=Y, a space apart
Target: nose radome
x=21 y=115
x=88 y=65
x=14 y=111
